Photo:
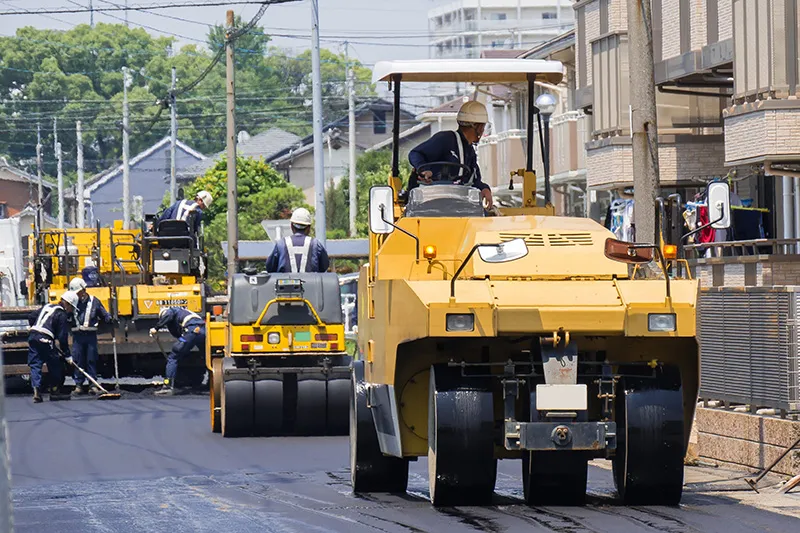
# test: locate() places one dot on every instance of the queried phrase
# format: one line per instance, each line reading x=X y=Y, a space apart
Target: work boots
x=79 y=390
x=166 y=389
x=37 y=398
x=56 y=395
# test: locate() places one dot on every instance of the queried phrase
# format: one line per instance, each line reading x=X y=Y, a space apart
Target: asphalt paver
x=145 y=464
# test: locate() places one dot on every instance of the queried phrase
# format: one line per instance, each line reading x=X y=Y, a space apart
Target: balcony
x=569 y=133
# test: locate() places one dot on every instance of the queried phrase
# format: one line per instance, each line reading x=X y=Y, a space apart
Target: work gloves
x=153 y=332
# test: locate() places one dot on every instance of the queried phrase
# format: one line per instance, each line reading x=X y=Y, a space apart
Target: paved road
x=141 y=464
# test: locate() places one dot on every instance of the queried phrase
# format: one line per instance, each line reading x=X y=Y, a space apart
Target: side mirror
x=503 y=252
x=381 y=209
x=23 y=288
x=628 y=252
x=718 y=194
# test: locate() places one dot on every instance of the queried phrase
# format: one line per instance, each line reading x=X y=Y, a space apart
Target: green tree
x=250 y=47
x=263 y=194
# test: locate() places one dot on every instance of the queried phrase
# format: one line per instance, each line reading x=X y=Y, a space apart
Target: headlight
x=661 y=322
x=274 y=338
x=460 y=322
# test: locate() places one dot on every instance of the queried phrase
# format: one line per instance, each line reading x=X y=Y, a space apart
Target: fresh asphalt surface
x=142 y=464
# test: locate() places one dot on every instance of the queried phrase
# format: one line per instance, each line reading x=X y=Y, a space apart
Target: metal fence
x=749 y=346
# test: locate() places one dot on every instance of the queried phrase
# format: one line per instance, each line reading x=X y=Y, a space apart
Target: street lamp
x=546 y=104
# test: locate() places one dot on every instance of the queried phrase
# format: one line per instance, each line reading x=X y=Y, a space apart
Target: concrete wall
x=776 y=131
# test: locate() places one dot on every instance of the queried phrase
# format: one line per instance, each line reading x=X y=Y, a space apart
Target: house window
x=378 y=122
x=549 y=15
x=498 y=16
x=3 y=211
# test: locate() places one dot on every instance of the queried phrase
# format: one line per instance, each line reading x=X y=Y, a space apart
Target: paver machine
x=520 y=336
x=277 y=357
x=141 y=270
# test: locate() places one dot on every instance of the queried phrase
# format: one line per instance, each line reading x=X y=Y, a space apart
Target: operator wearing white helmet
x=183 y=209
x=456 y=147
x=300 y=252
x=49 y=325
x=89 y=311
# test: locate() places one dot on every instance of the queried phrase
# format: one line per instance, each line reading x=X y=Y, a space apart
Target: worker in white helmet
x=455 y=148
x=299 y=252
x=49 y=325
x=186 y=209
x=89 y=312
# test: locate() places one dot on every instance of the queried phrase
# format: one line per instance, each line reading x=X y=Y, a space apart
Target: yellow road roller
x=277 y=357
x=516 y=335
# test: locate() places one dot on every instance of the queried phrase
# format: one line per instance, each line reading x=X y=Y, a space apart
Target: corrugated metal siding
x=748 y=346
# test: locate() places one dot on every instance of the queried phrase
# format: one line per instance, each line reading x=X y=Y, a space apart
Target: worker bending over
x=299 y=253
x=190 y=330
x=453 y=147
x=88 y=314
x=183 y=209
x=48 y=325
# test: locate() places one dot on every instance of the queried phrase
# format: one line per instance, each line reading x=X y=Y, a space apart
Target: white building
x=464 y=28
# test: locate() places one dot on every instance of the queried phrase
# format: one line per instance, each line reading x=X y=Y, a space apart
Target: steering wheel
x=438 y=177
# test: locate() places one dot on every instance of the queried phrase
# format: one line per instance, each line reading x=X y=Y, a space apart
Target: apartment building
x=465 y=28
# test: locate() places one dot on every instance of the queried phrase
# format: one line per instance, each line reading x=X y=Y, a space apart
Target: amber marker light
x=429 y=252
x=670 y=251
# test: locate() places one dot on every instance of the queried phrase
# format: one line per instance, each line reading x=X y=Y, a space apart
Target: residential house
x=374 y=120
x=264 y=145
x=19 y=189
x=149 y=183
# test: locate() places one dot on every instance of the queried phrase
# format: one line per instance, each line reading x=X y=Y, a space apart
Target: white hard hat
x=472 y=112
x=162 y=311
x=301 y=217
x=206 y=197
x=77 y=284
x=71 y=297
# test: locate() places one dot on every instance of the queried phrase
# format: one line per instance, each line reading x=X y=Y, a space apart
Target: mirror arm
x=663 y=263
x=460 y=268
x=382 y=208
x=701 y=228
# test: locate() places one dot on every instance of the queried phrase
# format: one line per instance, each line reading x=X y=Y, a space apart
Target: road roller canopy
x=469 y=70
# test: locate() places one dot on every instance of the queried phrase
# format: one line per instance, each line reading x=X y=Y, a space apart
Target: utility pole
x=91 y=15
x=39 y=163
x=173 y=138
x=126 y=171
x=79 y=194
x=55 y=133
x=319 y=155
x=233 y=199
x=6 y=520
x=126 y=14
x=60 y=188
x=352 y=141
x=644 y=126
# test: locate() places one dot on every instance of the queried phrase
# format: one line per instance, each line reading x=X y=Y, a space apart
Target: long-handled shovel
x=106 y=395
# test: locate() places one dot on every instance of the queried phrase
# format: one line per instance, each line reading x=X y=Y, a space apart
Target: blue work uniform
x=190 y=330
x=91 y=276
x=450 y=146
x=88 y=315
x=182 y=210
x=49 y=325
x=298 y=253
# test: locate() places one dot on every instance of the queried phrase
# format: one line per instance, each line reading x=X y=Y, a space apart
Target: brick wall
x=15 y=195
x=618 y=15
x=613 y=164
x=592 y=11
x=671 y=32
x=699 y=24
x=775 y=132
x=768 y=274
x=725 y=19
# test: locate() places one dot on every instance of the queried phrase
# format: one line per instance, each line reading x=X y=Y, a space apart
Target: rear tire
x=237 y=405
x=462 y=468
x=338 y=405
x=311 y=405
x=370 y=470
x=648 y=465
x=215 y=394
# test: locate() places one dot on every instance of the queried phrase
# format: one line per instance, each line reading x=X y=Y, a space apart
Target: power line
x=139 y=7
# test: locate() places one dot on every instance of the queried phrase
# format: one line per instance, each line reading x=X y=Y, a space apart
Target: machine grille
x=551 y=239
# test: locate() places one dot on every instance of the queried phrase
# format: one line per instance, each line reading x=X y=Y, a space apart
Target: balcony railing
x=569 y=133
